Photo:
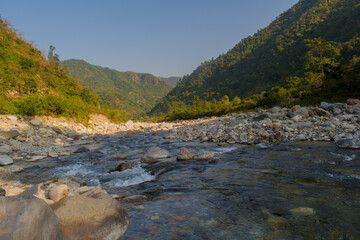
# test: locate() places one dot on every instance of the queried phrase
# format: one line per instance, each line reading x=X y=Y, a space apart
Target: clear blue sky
x=162 y=37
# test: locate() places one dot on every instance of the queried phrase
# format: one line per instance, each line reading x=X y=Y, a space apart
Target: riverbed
x=291 y=190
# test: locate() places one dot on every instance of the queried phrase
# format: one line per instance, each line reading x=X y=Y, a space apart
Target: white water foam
x=77 y=169
x=264 y=145
x=129 y=177
x=345 y=157
x=224 y=149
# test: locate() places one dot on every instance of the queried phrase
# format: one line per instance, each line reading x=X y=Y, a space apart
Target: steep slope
x=135 y=93
x=31 y=84
x=273 y=54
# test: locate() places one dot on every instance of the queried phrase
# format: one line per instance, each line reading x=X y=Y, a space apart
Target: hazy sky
x=162 y=37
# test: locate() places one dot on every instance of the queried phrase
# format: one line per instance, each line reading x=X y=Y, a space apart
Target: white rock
x=36 y=122
x=12 y=118
x=36 y=158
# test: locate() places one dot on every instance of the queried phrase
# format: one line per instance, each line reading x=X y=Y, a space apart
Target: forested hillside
x=272 y=55
x=30 y=84
x=135 y=93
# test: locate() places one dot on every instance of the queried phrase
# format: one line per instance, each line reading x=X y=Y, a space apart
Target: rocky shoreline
x=338 y=122
x=25 y=139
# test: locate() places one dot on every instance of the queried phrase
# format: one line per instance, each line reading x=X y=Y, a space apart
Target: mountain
x=135 y=93
x=172 y=80
x=271 y=55
x=30 y=84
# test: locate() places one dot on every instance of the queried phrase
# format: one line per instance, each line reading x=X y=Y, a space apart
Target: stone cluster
x=339 y=122
x=63 y=208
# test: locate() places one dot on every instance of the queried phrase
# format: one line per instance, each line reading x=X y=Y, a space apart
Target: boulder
x=27 y=218
x=5 y=149
x=56 y=129
x=261 y=116
x=204 y=155
x=154 y=155
x=81 y=149
x=5 y=160
x=24 y=127
x=352 y=101
x=36 y=122
x=82 y=217
x=186 y=154
x=58 y=192
x=189 y=154
x=14 y=168
x=73 y=183
x=9 y=134
x=129 y=124
x=73 y=134
x=275 y=109
x=302 y=111
x=321 y=112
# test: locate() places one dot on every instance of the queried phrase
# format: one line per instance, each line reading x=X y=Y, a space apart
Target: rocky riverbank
x=339 y=122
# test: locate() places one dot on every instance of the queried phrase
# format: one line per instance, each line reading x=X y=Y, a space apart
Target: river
x=301 y=190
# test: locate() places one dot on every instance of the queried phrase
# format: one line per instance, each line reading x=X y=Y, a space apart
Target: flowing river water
x=304 y=190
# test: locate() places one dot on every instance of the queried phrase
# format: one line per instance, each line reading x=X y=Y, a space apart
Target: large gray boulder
x=28 y=218
x=91 y=217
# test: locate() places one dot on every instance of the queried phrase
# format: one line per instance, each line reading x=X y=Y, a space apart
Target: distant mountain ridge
x=271 y=55
x=172 y=80
x=134 y=93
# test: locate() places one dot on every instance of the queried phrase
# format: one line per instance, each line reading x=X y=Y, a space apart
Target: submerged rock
x=27 y=218
x=122 y=166
x=302 y=211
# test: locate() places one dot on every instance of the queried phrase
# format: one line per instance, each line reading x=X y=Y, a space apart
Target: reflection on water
x=286 y=191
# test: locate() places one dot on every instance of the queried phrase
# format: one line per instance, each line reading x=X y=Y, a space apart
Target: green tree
x=322 y=54
x=53 y=58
